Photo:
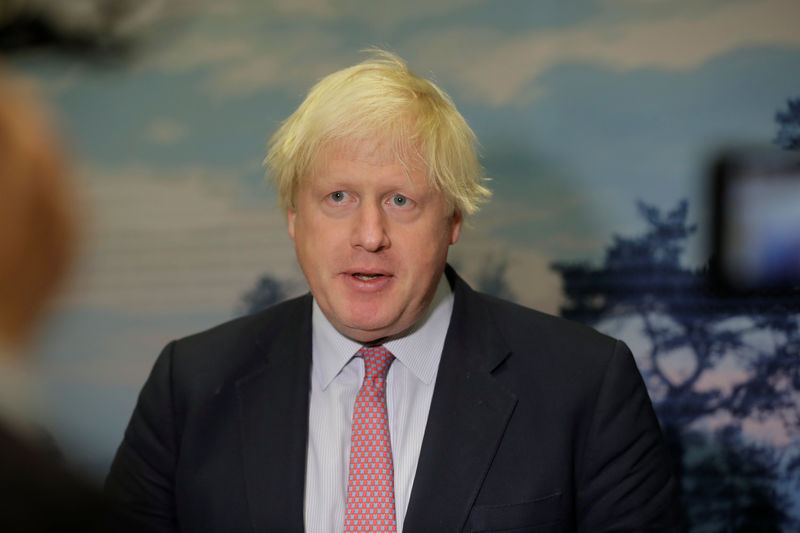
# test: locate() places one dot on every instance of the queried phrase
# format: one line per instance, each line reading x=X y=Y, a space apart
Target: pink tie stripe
x=370 y=488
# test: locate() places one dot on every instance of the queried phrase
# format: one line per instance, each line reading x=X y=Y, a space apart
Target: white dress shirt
x=336 y=377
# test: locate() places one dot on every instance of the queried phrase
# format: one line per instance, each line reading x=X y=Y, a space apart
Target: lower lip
x=367 y=285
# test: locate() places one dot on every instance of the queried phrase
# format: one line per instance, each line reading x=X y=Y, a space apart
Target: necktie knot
x=377 y=360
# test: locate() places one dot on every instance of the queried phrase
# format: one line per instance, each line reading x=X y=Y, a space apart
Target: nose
x=370 y=230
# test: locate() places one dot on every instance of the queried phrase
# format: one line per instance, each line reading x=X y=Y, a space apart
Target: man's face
x=371 y=237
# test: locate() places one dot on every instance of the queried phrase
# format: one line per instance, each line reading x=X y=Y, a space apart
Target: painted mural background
x=597 y=121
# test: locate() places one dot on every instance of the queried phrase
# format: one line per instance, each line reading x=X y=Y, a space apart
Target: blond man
x=392 y=397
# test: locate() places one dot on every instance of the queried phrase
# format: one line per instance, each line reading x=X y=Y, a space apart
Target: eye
x=400 y=201
x=337 y=196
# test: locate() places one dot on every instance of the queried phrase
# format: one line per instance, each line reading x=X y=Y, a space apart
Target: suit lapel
x=273 y=411
x=468 y=416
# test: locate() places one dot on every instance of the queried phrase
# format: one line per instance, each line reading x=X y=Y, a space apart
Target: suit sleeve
x=625 y=472
x=140 y=484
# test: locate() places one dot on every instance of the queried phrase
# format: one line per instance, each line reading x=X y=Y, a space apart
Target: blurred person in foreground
x=392 y=397
x=37 y=243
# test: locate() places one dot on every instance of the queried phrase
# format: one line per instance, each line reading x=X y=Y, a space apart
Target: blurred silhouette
x=37 y=243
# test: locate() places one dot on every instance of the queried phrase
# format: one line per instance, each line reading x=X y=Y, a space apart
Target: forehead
x=376 y=150
x=379 y=152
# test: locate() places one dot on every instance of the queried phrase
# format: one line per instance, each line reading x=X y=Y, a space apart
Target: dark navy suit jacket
x=536 y=424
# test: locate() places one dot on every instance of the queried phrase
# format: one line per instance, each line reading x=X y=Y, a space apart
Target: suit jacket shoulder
x=538 y=422
x=228 y=349
x=211 y=444
x=523 y=345
x=521 y=325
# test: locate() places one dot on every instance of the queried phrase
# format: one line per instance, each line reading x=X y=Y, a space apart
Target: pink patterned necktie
x=370 y=486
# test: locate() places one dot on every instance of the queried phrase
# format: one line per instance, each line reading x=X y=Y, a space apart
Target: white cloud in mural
x=317 y=8
x=285 y=58
x=381 y=15
x=489 y=63
x=276 y=47
x=164 y=130
x=499 y=68
x=527 y=273
x=176 y=242
x=197 y=50
x=771 y=431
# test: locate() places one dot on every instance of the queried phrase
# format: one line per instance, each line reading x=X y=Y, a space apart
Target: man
x=393 y=397
x=38 y=493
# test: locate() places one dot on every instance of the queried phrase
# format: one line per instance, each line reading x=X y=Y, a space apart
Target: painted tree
x=788 y=121
x=642 y=281
x=267 y=291
x=492 y=277
x=733 y=482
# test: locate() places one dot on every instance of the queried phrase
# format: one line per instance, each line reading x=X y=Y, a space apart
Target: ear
x=455 y=226
x=290 y=216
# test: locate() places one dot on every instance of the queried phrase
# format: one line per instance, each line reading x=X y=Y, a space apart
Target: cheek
x=318 y=242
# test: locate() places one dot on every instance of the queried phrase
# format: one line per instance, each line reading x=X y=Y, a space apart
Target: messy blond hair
x=380 y=97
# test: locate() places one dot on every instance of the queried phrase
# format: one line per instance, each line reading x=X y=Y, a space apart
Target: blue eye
x=337 y=196
x=399 y=200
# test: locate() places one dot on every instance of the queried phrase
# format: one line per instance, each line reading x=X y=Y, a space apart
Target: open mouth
x=366 y=277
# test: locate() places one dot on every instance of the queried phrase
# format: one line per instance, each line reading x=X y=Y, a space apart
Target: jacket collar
x=273 y=411
x=468 y=416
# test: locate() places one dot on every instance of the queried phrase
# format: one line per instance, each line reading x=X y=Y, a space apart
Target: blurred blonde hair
x=380 y=98
x=37 y=226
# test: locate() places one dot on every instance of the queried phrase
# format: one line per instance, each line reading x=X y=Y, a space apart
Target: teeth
x=366 y=277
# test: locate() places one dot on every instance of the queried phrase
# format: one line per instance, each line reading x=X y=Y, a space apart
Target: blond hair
x=37 y=222
x=380 y=97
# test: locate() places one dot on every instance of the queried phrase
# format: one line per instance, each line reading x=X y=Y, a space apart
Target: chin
x=370 y=330
x=367 y=328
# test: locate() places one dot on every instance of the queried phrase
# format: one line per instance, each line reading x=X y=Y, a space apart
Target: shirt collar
x=418 y=349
